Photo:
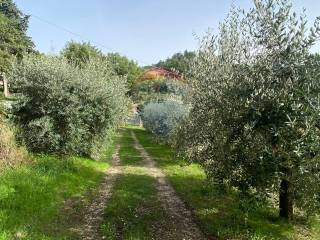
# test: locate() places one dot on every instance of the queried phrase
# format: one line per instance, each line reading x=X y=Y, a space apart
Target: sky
x=144 y=30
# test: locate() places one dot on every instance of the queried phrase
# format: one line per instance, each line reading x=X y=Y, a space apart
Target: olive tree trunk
x=286 y=195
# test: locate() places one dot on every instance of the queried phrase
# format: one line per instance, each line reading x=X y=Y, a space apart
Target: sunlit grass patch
x=31 y=196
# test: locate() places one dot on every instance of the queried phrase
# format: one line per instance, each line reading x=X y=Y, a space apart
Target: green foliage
x=179 y=62
x=161 y=105
x=13 y=43
x=125 y=67
x=255 y=109
x=11 y=11
x=80 y=54
x=162 y=118
x=66 y=109
x=13 y=39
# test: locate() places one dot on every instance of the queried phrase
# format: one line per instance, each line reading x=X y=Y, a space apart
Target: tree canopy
x=179 y=62
x=254 y=122
x=14 y=41
x=11 y=11
x=125 y=67
x=80 y=54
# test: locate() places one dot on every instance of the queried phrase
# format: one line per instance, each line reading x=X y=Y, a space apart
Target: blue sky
x=144 y=30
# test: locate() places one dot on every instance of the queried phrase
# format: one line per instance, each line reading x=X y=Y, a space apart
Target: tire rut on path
x=182 y=226
x=94 y=212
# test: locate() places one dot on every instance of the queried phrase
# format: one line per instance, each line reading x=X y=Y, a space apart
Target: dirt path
x=180 y=218
x=92 y=214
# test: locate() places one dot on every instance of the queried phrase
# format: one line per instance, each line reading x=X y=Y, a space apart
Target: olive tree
x=161 y=118
x=67 y=109
x=254 y=121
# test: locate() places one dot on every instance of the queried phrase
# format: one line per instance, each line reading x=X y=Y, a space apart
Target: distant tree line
x=81 y=53
x=179 y=62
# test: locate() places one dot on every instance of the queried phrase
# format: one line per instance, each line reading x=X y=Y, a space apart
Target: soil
x=91 y=216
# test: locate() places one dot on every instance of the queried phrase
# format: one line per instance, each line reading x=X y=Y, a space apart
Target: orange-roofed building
x=156 y=73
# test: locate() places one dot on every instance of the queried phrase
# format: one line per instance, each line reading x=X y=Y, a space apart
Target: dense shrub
x=254 y=120
x=160 y=118
x=66 y=109
x=160 y=102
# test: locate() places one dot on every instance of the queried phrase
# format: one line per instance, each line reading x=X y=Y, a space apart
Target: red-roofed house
x=156 y=73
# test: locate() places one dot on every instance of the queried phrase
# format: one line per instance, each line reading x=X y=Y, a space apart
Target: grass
x=133 y=212
x=31 y=196
x=128 y=154
x=224 y=214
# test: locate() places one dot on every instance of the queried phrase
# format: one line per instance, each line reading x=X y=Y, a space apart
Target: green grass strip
x=128 y=154
x=134 y=211
x=32 y=196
